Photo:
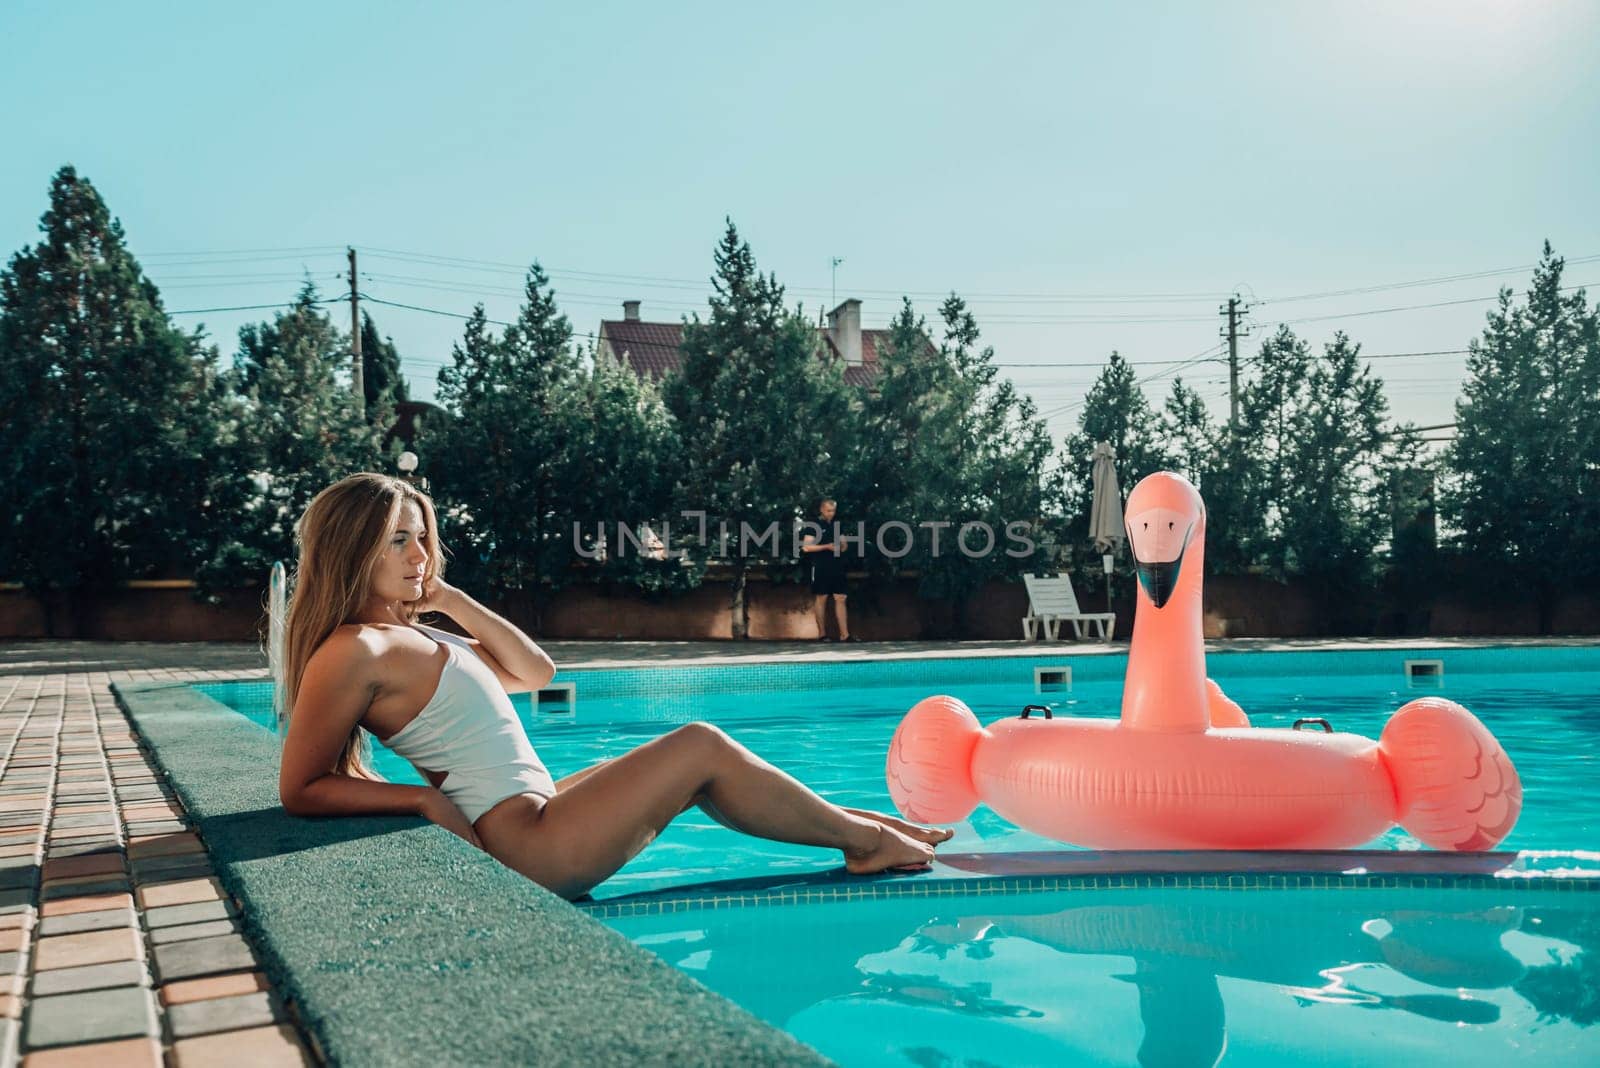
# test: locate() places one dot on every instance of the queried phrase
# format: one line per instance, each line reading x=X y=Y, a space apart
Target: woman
x=354 y=658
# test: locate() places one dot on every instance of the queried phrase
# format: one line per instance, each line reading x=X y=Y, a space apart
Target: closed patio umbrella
x=1105 y=514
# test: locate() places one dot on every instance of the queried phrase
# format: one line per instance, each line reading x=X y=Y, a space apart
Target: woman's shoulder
x=353 y=645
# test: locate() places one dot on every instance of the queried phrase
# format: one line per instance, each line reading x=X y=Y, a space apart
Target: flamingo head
x=1164 y=516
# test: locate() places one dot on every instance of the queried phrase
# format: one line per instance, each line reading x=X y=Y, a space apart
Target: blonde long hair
x=342 y=536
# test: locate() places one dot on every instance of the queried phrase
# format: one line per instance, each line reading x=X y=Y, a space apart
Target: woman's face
x=398 y=576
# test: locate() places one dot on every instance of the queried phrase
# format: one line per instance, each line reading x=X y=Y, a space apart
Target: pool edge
x=431 y=931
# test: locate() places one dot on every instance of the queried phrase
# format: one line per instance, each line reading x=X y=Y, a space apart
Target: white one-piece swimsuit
x=469 y=730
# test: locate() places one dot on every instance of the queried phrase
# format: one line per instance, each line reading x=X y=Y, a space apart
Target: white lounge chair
x=1051 y=603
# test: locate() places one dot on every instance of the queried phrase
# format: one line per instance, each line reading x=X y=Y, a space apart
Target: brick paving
x=118 y=946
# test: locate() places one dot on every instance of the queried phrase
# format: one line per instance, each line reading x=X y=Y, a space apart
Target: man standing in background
x=828 y=572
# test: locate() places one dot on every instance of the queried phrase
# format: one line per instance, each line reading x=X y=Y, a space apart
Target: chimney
x=630 y=310
x=844 y=327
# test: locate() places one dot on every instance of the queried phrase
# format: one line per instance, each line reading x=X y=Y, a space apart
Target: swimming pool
x=945 y=969
x=830 y=725
x=1161 y=977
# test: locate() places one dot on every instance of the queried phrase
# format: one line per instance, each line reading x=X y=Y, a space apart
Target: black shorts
x=826 y=580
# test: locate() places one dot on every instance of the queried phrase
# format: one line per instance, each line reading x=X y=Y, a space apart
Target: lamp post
x=407 y=463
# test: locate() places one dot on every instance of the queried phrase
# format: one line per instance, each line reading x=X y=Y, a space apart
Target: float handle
x=1319 y=722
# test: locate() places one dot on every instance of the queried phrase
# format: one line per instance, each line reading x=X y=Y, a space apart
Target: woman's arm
x=517 y=661
x=332 y=698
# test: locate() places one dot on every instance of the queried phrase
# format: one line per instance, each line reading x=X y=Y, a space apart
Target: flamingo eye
x=1171 y=525
x=1147 y=526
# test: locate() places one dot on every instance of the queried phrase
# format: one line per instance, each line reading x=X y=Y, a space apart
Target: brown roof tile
x=651 y=349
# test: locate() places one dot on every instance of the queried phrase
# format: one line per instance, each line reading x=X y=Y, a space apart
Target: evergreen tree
x=1116 y=411
x=1186 y=433
x=627 y=474
x=1271 y=405
x=447 y=449
x=760 y=415
x=1213 y=457
x=303 y=431
x=945 y=443
x=1335 y=505
x=901 y=470
x=381 y=381
x=1305 y=485
x=999 y=463
x=1526 y=459
x=508 y=468
x=112 y=422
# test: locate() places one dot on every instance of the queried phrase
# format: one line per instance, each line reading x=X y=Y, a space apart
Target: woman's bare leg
x=578 y=776
x=930 y=835
x=705 y=806
x=597 y=824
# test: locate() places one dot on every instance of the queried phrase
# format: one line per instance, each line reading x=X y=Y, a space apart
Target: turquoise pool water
x=1347 y=976
x=1268 y=977
x=830 y=725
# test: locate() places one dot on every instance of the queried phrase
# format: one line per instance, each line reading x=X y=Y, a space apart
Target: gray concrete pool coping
x=395 y=942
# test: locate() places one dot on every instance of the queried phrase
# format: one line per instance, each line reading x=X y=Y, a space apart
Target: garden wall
x=1455 y=603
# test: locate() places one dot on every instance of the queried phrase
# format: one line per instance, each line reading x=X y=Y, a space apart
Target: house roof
x=652 y=348
x=409 y=416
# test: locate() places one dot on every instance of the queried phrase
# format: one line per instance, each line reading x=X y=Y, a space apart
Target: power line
x=1207 y=356
x=1404 y=307
x=1200 y=357
x=1440 y=280
x=698 y=284
x=164 y=264
x=260 y=276
x=974 y=295
x=228 y=285
x=1098 y=363
x=604 y=300
x=431 y=311
x=994 y=318
x=641 y=343
x=254 y=307
x=174 y=258
x=243 y=251
x=447 y=286
x=1409 y=355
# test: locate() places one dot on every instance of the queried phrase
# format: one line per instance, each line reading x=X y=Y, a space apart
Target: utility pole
x=358 y=384
x=835 y=276
x=1233 y=309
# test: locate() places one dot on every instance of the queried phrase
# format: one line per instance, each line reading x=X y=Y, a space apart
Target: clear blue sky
x=1053 y=151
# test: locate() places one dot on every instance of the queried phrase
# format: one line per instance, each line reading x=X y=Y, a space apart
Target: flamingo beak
x=1158 y=552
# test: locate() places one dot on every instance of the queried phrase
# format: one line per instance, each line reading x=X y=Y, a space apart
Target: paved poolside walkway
x=117 y=944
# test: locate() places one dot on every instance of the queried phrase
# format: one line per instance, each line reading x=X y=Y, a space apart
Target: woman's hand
x=437 y=595
x=443 y=811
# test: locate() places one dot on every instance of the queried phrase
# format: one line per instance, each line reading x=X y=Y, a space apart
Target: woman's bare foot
x=893 y=850
x=930 y=835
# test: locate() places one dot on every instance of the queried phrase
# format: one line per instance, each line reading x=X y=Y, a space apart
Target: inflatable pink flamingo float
x=1182 y=768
